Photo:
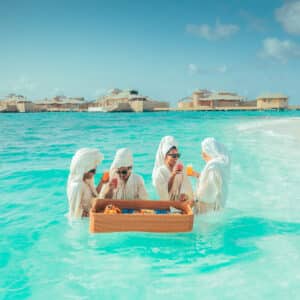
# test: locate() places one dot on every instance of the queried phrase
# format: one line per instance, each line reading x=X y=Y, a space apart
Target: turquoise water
x=251 y=248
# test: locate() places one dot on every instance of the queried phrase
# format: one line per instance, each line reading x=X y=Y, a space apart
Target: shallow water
x=251 y=249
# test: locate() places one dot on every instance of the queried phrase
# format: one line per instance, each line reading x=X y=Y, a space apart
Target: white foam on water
x=287 y=127
x=265 y=169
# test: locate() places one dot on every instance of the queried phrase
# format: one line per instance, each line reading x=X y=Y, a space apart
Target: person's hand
x=113 y=183
x=190 y=202
x=85 y=214
x=183 y=197
x=177 y=170
x=196 y=174
x=111 y=186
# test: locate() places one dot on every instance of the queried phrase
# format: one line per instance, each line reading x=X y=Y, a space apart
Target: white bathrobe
x=212 y=186
x=161 y=174
x=133 y=188
x=79 y=192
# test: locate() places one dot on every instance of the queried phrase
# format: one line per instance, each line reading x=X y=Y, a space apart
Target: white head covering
x=165 y=145
x=220 y=161
x=215 y=150
x=123 y=158
x=85 y=159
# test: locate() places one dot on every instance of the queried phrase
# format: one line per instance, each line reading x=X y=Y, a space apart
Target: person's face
x=124 y=173
x=205 y=156
x=90 y=174
x=172 y=157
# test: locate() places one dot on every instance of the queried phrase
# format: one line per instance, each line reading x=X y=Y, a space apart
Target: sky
x=164 y=49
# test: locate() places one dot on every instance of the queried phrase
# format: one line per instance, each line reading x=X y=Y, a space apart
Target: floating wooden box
x=170 y=222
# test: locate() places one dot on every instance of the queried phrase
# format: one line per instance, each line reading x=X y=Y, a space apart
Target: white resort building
x=272 y=101
x=17 y=103
x=204 y=99
x=126 y=101
x=63 y=103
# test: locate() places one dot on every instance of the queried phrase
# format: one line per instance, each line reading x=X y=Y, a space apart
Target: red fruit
x=114 y=181
x=179 y=167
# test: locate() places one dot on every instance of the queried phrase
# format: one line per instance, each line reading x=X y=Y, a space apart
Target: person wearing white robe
x=81 y=187
x=170 y=182
x=130 y=186
x=212 y=185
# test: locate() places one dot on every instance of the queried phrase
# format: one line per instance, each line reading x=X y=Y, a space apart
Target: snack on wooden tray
x=140 y=215
x=144 y=211
x=187 y=210
x=111 y=209
x=147 y=211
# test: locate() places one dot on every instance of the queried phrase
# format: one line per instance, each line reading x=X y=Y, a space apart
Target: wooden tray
x=171 y=222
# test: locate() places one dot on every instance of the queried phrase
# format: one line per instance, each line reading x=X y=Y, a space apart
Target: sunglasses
x=174 y=155
x=92 y=171
x=124 y=172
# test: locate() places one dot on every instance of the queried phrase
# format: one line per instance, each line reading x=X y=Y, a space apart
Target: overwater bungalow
x=204 y=99
x=17 y=103
x=63 y=103
x=126 y=101
x=272 y=101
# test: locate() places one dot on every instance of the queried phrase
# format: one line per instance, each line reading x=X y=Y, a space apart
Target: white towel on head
x=85 y=159
x=161 y=174
x=213 y=183
x=165 y=145
x=134 y=187
x=123 y=158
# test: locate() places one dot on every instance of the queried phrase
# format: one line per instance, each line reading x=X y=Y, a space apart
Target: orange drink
x=105 y=177
x=189 y=170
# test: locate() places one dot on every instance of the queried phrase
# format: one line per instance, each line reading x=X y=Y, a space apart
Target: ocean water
x=249 y=250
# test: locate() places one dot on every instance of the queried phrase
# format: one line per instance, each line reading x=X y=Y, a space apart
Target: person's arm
x=172 y=178
x=107 y=191
x=186 y=190
x=170 y=182
x=100 y=184
x=110 y=192
x=196 y=174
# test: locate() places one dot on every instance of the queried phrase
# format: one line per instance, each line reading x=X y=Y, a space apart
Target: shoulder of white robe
x=136 y=178
x=161 y=175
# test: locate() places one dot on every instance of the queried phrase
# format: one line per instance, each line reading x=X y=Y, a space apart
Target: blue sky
x=164 y=49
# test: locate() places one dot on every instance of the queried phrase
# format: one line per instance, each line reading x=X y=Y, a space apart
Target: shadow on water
x=210 y=246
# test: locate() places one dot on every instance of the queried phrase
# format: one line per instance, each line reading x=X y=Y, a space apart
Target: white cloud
x=193 y=69
x=219 y=31
x=222 y=69
x=289 y=16
x=279 y=50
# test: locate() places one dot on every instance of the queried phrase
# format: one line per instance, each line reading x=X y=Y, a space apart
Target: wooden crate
x=171 y=222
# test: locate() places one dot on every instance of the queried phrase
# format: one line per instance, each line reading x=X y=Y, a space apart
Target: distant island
x=118 y=100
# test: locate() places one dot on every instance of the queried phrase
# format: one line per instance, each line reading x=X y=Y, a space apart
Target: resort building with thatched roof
x=272 y=101
x=17 y=103
x=126 y=101
x=204 y=99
